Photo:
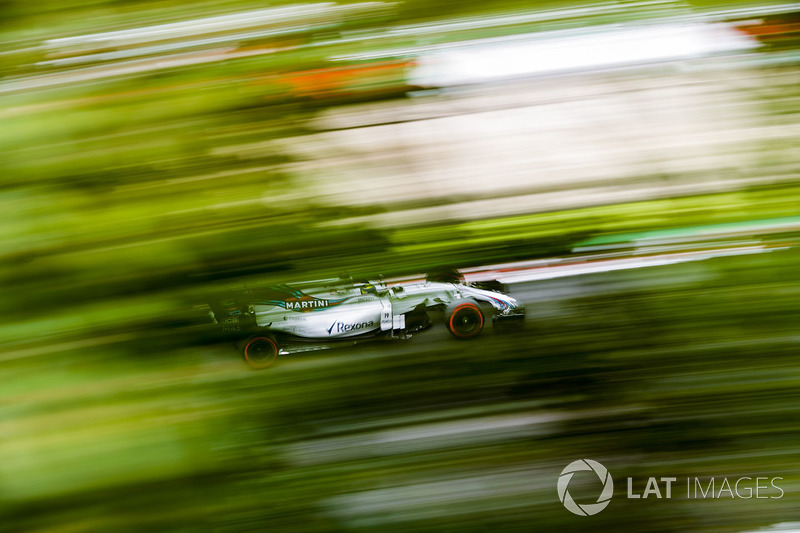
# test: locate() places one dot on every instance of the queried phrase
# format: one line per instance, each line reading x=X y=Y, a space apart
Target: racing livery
x=314 y=315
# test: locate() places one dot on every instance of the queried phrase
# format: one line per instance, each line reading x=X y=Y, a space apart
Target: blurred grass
x=120 y=210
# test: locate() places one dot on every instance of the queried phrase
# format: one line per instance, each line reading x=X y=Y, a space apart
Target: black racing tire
x=464 y=318
x=260 y=351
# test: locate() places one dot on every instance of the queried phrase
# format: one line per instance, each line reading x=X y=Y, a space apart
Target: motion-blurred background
x=629 y=168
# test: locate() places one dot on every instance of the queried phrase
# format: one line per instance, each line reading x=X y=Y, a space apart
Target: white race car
x=290 y=318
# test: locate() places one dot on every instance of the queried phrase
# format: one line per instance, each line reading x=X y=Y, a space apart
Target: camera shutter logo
x=588 y=509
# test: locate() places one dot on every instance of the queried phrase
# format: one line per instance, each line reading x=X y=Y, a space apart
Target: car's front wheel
x=260 y=351
x=464 y=318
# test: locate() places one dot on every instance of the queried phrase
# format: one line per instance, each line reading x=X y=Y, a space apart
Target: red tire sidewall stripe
x=256 y=365
x=453 y=315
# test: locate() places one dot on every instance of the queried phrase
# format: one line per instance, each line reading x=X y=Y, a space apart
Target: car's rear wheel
x=260 y=351
x=464 y=318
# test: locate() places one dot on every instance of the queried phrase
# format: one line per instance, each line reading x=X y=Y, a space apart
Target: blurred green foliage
x=686 y=370
x=121 y=211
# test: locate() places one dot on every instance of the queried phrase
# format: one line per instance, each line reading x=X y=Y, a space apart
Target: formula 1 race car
x=291 y=318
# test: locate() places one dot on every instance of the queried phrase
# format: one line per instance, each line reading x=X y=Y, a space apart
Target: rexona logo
x=586 y=509
x=305 y=304
x=341 y=327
